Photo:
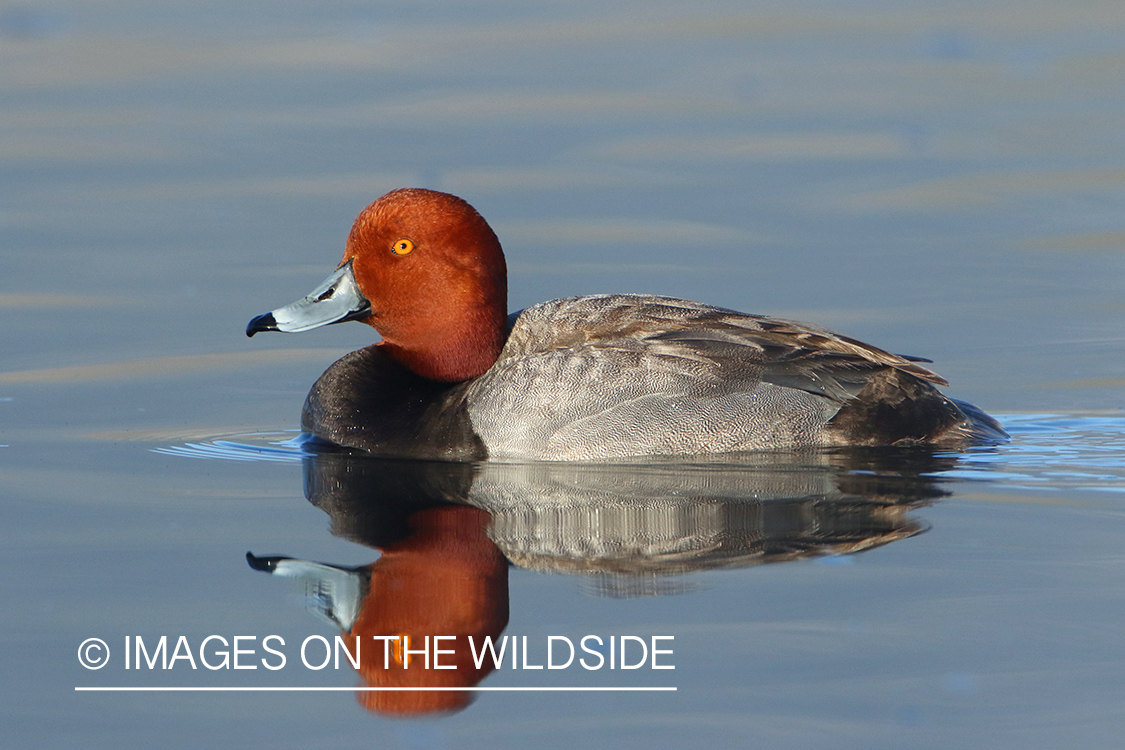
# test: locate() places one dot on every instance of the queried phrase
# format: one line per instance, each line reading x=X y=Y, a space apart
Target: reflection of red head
x=445 y=578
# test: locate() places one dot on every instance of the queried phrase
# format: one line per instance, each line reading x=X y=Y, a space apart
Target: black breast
x=368 y=401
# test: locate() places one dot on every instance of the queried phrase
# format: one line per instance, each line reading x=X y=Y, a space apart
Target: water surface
x=937 y=179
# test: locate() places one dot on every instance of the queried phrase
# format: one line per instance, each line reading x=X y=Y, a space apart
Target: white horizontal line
x=369 y=689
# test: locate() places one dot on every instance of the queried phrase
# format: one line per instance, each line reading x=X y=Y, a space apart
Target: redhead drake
x=584 y=378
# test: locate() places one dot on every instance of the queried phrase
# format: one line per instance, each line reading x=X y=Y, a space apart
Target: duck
x=599 y=377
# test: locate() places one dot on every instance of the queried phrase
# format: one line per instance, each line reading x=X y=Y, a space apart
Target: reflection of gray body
x=613 y=376
x=631 y=524
x=672 y=519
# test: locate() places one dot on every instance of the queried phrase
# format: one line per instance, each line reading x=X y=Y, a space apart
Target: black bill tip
x=261 y=323
x=264 y=564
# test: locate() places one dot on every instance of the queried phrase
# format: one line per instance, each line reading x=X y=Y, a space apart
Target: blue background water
x=941 y=179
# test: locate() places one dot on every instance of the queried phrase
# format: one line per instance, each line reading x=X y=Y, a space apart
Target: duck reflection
x=448 y=531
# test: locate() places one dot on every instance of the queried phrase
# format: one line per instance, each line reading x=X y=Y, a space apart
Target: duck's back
x=612 y=376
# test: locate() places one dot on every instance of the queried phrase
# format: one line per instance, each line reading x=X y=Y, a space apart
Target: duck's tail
x=898 y=408
x=980 y=428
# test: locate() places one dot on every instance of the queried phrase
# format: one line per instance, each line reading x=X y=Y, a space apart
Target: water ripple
x=268 y=448
x=1047 y=452
x=1053 y=451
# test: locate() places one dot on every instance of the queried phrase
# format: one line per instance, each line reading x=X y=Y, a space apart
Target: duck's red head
x=426 y=271
x=435 y=276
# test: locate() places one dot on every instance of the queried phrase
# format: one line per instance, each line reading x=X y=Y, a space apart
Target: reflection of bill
x=445 y=577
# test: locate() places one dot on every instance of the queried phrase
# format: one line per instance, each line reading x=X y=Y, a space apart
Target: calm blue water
x=940 y=179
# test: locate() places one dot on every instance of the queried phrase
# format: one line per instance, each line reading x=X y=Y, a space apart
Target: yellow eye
x=402 y=247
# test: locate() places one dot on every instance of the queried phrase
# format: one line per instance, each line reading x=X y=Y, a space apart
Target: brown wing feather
x=731 y=344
